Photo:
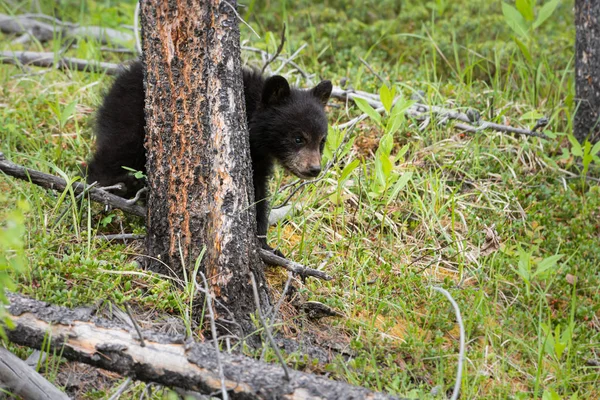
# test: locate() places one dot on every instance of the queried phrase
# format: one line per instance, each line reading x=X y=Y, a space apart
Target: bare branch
x=461 y=351
x=277 y=52
x=47 y=60
x=42 y=31
x=272 y=259
x=55 y=183
x=418 y=110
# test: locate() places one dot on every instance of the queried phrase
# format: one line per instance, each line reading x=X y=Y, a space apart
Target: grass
x=484 y=215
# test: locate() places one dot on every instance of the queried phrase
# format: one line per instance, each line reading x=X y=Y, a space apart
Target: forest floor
x=510 y=225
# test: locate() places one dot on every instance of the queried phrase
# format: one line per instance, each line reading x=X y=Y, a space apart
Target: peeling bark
x=198 y=157
x=587 y=70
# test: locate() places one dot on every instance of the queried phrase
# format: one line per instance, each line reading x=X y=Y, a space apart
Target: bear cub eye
x=299 y=140
x=322 y=144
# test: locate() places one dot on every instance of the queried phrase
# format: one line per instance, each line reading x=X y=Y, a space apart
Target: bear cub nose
x=314 y=170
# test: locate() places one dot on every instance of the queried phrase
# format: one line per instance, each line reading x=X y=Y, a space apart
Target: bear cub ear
x=322 y=91
x=276 y=90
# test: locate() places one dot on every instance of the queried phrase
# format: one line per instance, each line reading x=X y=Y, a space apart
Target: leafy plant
x=528 y=269
x=12 y=251
x=385 y=176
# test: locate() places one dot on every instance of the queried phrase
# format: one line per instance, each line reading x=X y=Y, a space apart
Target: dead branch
x=418 y=110
x=29 y=25
x=277 y=52
x=56 y=183
x=19 y=378
x=165 y=359
x=47 y=60
x=272 y=259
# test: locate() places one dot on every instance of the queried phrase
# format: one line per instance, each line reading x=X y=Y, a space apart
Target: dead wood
x=167 y=360
x=19 y=378
x=56 y=183
x=28 y=24
x=418 y=110
x=48 y=60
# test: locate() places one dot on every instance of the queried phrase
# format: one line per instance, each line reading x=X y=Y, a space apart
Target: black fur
x=286 y=124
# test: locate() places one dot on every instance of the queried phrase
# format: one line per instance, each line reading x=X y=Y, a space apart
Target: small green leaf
x=525 y=7
x=514 y=19
x=545 y=12
x=386 y=144
x=576 y=148
x=547 y=264
x=387 y=97
x=67 y=113
x=399 y=185
x=401 y=153
x=367 y=109
x=596 y=149
x=348 y=170
x=524 y=50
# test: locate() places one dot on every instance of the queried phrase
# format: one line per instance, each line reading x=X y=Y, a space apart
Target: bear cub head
x=290 y=125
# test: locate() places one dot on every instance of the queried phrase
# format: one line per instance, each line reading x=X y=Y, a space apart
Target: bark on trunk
x=167 y=360
x=199 y=168
x=587 y=70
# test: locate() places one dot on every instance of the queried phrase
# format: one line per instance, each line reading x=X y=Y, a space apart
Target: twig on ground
x=272 y=259
x=137 y=196
x=121 y=389
x=290 y=58
x=56 y=183
x=135 y=325
x=267 y=257
x=266 y=327
x=213 y=330
x=121 y=236
x=277 y=52
x=28 y=24
x=46 y=60
x=418 y=110
x=366 y=64
x=461 y=351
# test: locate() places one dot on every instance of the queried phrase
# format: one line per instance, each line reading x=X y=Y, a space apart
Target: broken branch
x=56 y=183
x=47 y=60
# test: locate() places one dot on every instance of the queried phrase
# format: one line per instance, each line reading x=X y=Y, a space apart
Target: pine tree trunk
x=198 y=157
x=587 y=70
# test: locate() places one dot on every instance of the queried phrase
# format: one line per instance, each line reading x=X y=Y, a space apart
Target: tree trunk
x=198 y=157
x=587 y=70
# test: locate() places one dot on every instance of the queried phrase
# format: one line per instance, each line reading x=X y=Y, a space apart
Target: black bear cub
x=286 y=124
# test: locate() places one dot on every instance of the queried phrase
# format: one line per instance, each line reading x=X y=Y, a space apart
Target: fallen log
x=19 y=378
x=167 y=360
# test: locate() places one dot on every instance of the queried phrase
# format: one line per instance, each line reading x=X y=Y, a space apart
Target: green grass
x=531 y=323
